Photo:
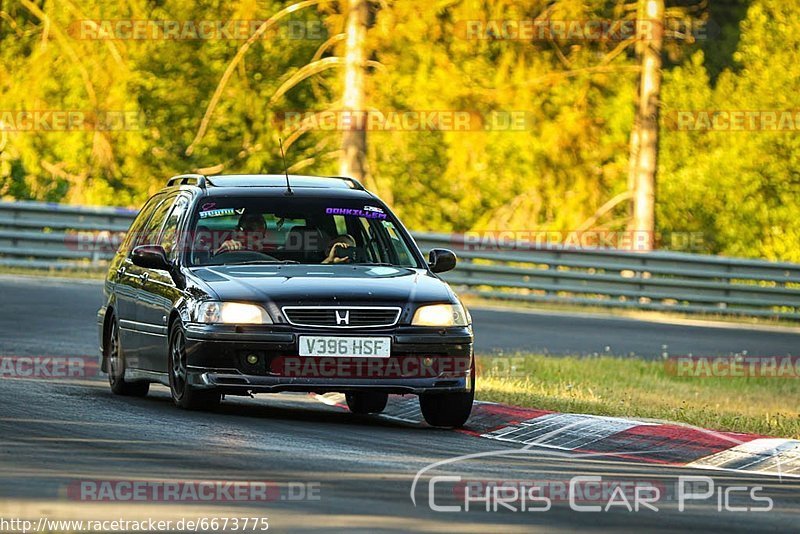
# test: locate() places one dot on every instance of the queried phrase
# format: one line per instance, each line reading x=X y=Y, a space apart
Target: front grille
x=341 y=316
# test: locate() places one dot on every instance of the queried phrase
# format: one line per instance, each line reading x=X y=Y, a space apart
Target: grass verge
x=643 y=389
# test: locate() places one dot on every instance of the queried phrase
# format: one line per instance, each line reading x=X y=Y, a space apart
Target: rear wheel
x=450 y=410
x=366 y=402
x=183 y=394
x=115 y=364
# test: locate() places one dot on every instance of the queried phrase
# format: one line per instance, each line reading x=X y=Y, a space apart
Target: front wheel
x=115 y=365
x=183 y=394
x=450 y=410
x=365 y=402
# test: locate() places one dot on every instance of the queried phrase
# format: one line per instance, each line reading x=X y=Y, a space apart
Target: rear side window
x=139 y=222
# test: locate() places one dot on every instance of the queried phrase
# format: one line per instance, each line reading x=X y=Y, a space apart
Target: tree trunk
x=644 y=136
x=353 y=161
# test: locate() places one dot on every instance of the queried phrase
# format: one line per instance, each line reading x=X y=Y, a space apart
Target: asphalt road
x=56 y=434
x=560 y=333
x=61 y=309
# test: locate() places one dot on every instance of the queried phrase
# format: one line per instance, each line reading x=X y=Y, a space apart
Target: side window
x=400 y=250
x=372 y=245
x=169 y=237
x=151 y=231
x=136 y=227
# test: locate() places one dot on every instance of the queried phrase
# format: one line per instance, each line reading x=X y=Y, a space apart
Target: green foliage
x=739 y=189
x=554 y=174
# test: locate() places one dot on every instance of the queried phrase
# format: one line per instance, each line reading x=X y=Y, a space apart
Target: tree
x=737 y=187
x=210 y=105
x=644 y=134
x=353 y=159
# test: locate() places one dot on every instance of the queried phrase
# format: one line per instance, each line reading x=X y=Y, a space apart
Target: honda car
x=244 y=284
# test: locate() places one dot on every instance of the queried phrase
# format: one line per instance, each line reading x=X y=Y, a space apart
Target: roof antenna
x=285 y=169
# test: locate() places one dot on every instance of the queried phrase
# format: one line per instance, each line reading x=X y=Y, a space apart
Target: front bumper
x=421 y=361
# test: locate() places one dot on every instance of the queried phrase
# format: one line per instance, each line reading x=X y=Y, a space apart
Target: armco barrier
x=40 y=235
x=47 y=235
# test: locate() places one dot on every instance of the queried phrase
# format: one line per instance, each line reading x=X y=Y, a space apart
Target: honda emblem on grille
x=343 y=318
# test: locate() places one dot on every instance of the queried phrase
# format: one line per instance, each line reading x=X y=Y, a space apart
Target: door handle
x=121 y=271
x=144 y=276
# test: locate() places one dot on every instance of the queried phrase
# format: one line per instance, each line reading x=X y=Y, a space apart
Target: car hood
x=323 y=284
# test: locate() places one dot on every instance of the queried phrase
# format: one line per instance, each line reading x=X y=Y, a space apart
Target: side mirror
x=442 y=260
x=151 y=257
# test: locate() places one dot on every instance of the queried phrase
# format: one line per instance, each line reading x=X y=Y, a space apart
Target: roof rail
x=188 y=179
x=352 y=180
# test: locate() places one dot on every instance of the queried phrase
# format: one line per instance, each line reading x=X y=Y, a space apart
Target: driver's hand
x=229 y=245
x=332 y=254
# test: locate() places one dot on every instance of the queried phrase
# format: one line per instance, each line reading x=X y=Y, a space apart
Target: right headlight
x=212 y=312
x=440 y=315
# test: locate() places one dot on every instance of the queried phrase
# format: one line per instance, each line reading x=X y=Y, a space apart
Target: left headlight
x=441 y=315
x=211 y=312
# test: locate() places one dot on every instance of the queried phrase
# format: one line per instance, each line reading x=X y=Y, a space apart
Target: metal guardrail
x=53 y=236
x=48 y=235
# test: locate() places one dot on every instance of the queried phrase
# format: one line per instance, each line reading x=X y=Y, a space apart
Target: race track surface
x=66 y=310
x=55 y=434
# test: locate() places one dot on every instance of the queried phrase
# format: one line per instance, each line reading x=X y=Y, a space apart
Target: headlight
x=441 y=315
x=231 y=312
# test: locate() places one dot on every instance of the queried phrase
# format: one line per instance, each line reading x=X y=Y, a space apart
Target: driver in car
x=253 y=229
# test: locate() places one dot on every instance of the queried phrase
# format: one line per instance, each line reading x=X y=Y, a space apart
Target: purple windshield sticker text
x=355 y=213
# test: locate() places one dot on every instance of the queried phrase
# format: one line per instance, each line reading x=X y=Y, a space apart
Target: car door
x=140 y=334
x=159 y=292
x=126 y=279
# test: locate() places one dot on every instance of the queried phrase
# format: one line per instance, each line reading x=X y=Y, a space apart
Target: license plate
x=341 y=346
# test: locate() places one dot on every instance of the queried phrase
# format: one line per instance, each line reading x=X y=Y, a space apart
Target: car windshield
x=251 y=230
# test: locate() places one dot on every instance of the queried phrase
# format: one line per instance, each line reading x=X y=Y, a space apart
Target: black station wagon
x=242 y=284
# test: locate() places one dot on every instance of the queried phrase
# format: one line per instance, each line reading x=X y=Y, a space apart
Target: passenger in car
x=337 y=247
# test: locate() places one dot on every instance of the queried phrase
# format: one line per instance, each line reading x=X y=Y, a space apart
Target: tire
x=363 y=403
x=448 y=410
x=183 y=394
x=115 y=364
